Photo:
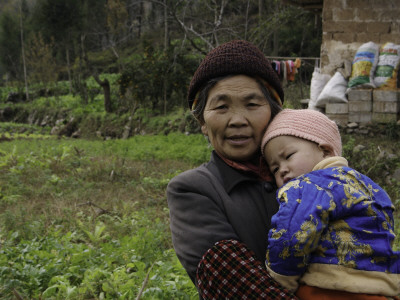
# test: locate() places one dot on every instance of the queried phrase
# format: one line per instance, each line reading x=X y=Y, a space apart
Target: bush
x=154 y=73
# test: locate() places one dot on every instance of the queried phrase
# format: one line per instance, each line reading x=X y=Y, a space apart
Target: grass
x=379 y=158
x=88 y=219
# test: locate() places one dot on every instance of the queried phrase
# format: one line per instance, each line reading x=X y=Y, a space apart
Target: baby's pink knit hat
x=307 y=124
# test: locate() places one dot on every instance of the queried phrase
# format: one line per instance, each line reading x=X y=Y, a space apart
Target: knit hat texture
x=307 y=124
x=234 y=57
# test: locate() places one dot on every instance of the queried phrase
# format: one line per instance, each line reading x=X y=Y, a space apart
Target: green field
x=88 y=219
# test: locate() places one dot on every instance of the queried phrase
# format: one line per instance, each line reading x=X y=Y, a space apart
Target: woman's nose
x=238 y=118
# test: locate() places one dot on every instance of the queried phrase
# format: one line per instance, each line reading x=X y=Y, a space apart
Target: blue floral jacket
x=334 y=230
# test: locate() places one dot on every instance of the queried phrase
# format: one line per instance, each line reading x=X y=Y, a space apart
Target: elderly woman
x=220 y=212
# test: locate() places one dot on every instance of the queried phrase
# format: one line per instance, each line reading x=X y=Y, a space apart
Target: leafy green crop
x=88 y=219
x=83 y=219
x=62 y=266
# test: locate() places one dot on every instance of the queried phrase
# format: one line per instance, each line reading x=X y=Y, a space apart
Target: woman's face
x=235 y=117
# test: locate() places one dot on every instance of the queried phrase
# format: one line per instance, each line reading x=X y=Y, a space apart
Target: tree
x=155 y=74
x=61 y=21
x=104 y=84
x=86 y=38
x=94 y=24
x=12 y=41
x=21 y=27
x=41 y=62
x=90 y=37
x=10 y=44
x=117 y=16
x=116 y=31
x=208 y=18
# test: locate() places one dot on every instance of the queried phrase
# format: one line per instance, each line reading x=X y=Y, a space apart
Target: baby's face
x=289 y=157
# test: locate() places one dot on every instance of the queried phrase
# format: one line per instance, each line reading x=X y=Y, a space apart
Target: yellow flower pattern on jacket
x=334 y=218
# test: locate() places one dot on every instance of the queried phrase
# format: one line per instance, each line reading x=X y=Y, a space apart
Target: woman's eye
x=253 y=104
x=220 y=107
x=274 y=170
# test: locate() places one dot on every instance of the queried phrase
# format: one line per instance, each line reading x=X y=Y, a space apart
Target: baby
x=333 y=234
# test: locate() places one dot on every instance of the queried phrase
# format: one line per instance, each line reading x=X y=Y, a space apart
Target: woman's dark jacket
x=216 y=202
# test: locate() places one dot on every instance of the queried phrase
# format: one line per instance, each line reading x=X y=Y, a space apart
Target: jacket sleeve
x=296 y=230
x=229 y=270
x=197 y=217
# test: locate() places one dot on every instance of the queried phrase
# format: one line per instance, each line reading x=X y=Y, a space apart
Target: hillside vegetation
x=128 y=56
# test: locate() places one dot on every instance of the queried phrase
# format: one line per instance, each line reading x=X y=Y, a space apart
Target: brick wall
x=347 y=24
x=366 y=106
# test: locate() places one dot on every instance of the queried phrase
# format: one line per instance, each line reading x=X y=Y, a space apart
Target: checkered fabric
x=229 y=270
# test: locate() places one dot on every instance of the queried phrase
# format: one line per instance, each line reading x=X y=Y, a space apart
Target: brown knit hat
x=235 y=57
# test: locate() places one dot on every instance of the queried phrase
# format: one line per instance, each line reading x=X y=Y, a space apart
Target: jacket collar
x=228 y=176
x=331 y=162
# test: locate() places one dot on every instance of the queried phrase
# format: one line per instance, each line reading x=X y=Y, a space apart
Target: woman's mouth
x=238 y=139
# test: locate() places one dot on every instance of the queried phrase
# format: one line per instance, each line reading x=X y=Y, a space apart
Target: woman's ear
x=327 y=150
x=204 y=129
